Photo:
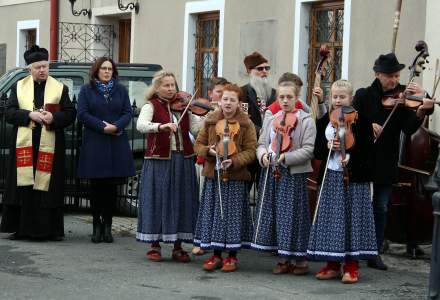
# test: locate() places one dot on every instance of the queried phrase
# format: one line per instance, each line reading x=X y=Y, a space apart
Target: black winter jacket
x=360 y=165
x=368 y=102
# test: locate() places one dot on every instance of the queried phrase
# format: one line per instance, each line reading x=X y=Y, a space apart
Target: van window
x=136 y=87
x=73 y=83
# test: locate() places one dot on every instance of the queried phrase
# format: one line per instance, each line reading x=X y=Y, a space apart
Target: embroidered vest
x=159 y=144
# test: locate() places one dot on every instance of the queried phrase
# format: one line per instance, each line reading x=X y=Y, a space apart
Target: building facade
x=205 y=38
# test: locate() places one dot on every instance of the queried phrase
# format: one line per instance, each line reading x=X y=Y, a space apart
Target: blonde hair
x=155 y=83
x=290 y=84
x=343 y=85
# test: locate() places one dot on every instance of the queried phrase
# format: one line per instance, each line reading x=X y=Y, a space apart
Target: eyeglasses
x=260 y=69
x=106 y=69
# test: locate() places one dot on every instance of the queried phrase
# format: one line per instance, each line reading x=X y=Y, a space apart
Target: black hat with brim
x=35 y=54
x=387 y=63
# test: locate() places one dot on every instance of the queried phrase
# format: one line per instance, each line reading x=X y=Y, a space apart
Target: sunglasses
x=267 y=68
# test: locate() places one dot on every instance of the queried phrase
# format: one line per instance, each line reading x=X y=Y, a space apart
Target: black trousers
x=103 y=194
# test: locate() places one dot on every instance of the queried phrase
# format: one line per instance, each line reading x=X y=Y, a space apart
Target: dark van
x=135 y=77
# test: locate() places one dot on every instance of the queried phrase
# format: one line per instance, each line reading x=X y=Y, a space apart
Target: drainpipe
x=53 y=49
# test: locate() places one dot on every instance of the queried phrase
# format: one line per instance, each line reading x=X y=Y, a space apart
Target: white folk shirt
x=334 y=162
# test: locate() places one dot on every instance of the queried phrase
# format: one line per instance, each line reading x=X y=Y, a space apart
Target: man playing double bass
x=368 y=101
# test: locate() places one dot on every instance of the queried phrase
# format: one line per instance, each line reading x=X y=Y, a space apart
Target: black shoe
x=15 y=237
x=97 y=230
x=385 y=247
x=56 y=238
x=107 y=237
x=377 y=263
x=414 y=251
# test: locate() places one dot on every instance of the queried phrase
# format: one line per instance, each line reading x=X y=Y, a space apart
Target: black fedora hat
x=387 y=63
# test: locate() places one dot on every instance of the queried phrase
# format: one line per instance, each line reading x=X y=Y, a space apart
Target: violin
x=199 y=107
x=401 y=97
x=283 y=126
x=226 y=130
x=342 y=119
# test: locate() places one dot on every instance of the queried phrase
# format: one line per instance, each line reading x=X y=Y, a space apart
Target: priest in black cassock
x=39 y=108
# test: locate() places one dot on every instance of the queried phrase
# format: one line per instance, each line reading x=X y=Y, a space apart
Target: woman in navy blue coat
x=105 y=157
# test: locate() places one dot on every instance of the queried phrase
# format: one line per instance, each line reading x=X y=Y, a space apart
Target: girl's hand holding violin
x=168 y=127
x=345 y=160
x=226 y=164
x=335 y=146
x=212 y=151
x=281 y=159
x=265 y=160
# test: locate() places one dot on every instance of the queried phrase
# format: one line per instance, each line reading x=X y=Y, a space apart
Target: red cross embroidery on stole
x=44 y=163
x=24 y=157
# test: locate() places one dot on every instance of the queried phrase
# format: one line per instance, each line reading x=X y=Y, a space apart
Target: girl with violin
x=227 y=141
x=343 y=223
x=215 y=90
x=285 y=149
x=168 y=195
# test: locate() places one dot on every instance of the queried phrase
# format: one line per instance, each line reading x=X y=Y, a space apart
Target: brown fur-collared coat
x=245 y=140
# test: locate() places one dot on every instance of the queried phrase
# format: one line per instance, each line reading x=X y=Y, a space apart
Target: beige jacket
x=299 y=156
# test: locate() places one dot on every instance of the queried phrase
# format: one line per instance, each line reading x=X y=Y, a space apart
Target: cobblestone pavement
x=78 y=269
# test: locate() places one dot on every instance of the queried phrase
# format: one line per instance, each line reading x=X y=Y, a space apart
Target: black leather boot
x=108 y=237
x=97 y=230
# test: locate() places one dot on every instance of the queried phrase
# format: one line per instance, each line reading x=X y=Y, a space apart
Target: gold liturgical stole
x=24 y=153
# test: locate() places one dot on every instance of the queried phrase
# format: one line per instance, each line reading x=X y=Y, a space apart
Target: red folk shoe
x=229 y=264
x=180 y=255
x=330 y=271
x=350 y=277
x=212 y=263
x=283 y=268
x=351 y=272
x=154 y=255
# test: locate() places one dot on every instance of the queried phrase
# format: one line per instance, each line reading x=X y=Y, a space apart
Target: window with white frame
x=27 y=35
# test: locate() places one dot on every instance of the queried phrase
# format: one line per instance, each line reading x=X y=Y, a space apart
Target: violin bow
x=436 y=78
x=396 y=24
x=262 y=197
x=187 y=107
x=322 y=183
x=217 y=162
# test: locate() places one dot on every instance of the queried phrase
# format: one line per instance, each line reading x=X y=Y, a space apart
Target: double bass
x=410 y=218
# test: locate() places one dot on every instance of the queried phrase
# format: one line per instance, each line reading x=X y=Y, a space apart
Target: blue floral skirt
x=344 y=226
x=168 y=200
x=225 y=226
x=282 y=219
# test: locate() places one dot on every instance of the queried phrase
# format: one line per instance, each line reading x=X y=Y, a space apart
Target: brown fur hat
x=253 y=60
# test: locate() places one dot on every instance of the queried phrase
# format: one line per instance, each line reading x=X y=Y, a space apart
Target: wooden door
x=124 y=40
